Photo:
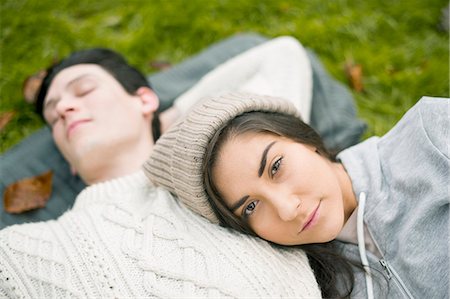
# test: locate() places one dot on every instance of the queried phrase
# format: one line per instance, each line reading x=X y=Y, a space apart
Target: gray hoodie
x=404 y=177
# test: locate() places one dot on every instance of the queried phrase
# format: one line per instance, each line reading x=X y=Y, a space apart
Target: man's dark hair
x=112 y=62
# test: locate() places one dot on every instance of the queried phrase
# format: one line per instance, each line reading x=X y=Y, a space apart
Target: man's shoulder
x=22 y=234
x=35 y=262
x=30 y=241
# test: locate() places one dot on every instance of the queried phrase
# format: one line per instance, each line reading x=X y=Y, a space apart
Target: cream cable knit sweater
x=279 y=67
x=126 y=238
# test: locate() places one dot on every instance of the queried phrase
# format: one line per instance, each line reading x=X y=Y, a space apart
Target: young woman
x=379 y=208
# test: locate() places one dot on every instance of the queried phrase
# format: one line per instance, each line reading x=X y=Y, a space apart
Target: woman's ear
x=149 y=99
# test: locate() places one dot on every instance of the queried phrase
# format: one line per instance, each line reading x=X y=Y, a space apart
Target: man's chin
x=84 y=153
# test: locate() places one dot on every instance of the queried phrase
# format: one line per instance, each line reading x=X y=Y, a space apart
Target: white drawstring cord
x=362 y=245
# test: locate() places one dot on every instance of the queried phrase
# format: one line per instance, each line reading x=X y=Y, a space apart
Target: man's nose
x=65 y=105
x=287 y=206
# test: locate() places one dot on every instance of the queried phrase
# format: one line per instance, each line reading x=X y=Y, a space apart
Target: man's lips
x=311 y=219
x=74 y=125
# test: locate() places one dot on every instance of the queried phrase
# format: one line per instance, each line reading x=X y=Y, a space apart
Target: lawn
x=403 y=53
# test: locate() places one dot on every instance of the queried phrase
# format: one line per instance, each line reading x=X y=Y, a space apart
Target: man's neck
x=117 y=165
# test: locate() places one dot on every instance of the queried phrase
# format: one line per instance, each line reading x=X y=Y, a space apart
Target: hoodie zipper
x=361 y=244
x=390 y=272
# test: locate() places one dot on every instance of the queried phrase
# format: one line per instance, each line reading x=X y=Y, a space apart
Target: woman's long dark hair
x=330 y=268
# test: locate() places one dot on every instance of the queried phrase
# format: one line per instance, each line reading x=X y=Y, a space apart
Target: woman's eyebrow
x=263 y=162
x=264 y=158
x=239 y=203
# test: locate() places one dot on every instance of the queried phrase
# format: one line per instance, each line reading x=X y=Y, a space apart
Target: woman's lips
x=312 y=219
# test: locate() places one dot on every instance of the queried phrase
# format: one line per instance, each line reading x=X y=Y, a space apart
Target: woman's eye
x=250 y=208
x=276 y=166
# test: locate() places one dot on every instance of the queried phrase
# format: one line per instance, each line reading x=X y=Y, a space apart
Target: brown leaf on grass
x=160 y=65
x=31 y=86
x=5 y=118
x=28 y=194
x=354 y=74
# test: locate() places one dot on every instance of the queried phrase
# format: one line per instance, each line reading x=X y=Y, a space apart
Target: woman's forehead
x=253 y=138
x=247 y=147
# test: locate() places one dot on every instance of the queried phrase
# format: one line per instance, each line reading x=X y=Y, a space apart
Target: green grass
x=403 y=54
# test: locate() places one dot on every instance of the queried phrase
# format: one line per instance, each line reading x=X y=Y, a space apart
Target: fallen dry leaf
x=28 y=194
x=31 y=86
x=160 y=65
x=354 y=75
x=5 y=118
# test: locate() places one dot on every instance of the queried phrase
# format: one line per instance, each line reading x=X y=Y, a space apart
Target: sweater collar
x=112 y=190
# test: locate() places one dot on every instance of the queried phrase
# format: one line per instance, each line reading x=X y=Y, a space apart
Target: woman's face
x=288 y=193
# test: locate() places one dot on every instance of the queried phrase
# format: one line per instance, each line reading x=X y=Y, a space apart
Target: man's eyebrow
x=264 y=158
x=52 y=101
x=239 y=203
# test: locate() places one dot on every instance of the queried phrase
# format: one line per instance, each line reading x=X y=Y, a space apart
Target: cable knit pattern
x=126 y=238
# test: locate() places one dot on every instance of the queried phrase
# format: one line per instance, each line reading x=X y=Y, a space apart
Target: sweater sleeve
x=279 y=67
x=12 y=284
x=33 y=264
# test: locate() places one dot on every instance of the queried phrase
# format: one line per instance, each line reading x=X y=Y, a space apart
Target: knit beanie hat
x=177 y=158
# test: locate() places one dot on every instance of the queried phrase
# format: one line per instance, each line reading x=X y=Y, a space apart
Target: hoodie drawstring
x=362 y=245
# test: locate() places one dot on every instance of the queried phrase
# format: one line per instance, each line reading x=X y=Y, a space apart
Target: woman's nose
x=287 y=207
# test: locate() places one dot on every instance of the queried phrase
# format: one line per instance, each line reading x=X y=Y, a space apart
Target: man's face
x=92 y=116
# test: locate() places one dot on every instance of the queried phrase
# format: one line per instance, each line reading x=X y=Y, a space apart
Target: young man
x=124 y=237
x=100 y=111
